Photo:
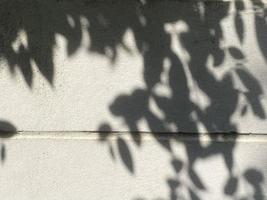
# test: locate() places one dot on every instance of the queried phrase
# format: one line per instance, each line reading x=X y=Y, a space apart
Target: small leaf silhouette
x=253 y=176
x=125 y=155
x=249 y=81
x=231 y=186
x=193 y=195
x=173 y=184
x=218 y=57
x=25 y=65
x=7 y=129
x=261 y=28
x=111 y=151
x=177 y=165
x=104 y=131
x=239 y=26
x=236 y=53
x=196 y=180
x=254 y=91
x=3 y=153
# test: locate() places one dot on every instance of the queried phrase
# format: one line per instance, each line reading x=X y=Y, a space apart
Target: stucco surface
x=81 y=167
x=96 y=78
x=114 y=99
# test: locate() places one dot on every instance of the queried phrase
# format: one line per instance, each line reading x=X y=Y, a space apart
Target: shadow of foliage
x=27 y=33
x=6 y=130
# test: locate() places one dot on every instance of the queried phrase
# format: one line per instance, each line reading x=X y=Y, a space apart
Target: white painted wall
x=123 y=66
x=57 y=167
x=87 y=83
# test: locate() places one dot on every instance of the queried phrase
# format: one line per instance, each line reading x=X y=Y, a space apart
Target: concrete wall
x=76 y=166
x=116 y=99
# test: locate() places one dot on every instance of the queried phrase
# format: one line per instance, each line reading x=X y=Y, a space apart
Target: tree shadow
x=38 y=22
x=7 y=130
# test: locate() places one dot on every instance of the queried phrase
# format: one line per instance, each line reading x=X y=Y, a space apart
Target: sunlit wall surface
x=164 y=71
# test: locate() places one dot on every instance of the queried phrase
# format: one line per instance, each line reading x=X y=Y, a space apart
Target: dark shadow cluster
x=40 y=21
